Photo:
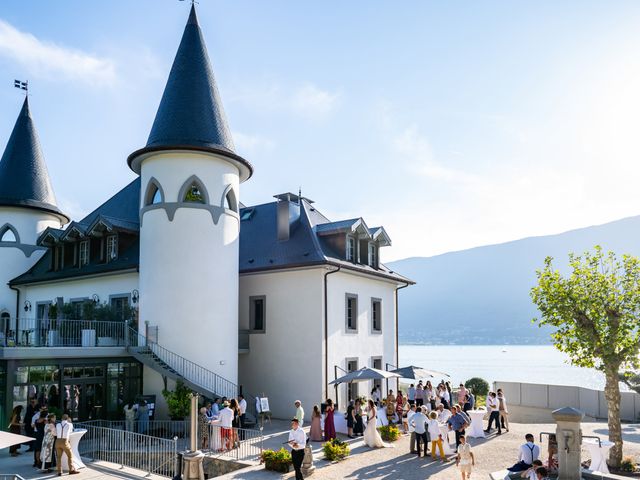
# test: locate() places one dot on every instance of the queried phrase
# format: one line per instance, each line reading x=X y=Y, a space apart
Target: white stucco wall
x=363 y=344
x=30 y=224
x=103 y=286
x=285 y=362
x=189 y=266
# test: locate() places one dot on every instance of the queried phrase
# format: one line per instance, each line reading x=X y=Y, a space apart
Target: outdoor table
x=598 y=454
x=446 y=439
x=476 y=428
x=74 y=441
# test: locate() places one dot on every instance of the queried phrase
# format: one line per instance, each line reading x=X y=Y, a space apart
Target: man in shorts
x=464 y=458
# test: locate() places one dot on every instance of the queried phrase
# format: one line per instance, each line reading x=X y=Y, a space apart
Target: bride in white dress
x=372 y=437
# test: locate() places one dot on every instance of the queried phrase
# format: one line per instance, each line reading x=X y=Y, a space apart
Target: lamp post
x=193 y=459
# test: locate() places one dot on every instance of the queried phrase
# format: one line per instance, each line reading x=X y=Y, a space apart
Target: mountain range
x=481 y=295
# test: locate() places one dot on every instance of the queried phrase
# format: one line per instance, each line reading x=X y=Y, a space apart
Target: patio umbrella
x=364 y=374
x=9 y=439
x=416 y=373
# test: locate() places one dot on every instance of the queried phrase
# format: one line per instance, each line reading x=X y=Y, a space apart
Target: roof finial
x=299 y=196
x=22 y=86
x=193 y=2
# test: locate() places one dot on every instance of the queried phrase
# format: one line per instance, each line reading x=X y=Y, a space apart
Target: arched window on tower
x=154 y=193
x=230 y=201
x=8 y=234
x=193 y=191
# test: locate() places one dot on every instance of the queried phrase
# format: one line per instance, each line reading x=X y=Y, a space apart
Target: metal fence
x=32 y=332
x=129 y=449
x=10 y=476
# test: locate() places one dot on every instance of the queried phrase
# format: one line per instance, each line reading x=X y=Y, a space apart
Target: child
x=436 y=436
x=465 y=459
x=530 y=473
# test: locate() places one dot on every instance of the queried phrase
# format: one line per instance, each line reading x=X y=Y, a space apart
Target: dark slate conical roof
x=24 y=179
x=190 y=115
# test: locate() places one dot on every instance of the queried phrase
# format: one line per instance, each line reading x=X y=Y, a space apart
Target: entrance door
x=352 y=388
x=84 y=400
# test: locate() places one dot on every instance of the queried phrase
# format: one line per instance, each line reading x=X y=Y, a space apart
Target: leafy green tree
x=595 y=311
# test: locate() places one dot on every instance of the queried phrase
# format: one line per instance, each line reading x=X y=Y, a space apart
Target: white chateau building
x=174 y=279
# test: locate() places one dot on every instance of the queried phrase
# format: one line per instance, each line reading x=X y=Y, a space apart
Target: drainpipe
x=326 y=334
x=397 y=360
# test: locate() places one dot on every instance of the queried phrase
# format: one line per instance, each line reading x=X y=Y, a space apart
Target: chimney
x=288 y=214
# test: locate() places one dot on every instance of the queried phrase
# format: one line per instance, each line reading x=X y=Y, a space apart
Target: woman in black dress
x=235 y=423
x=351 y=419
x=15 y=426
x=41 y=423
x=358 y=426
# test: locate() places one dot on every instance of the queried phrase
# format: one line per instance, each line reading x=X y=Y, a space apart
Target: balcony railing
x=31 y=332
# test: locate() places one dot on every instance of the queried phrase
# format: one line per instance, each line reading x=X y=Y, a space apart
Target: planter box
x=88 y=338
x=53 y=338
x=278 y=467
x=107 y=342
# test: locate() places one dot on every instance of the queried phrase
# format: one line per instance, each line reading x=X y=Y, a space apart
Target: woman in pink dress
x=315 y=432
x=399 y=406
x=329 y=426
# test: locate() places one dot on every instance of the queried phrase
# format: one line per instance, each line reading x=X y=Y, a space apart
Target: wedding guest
x=458 y=422
x=552 y=453
x=464 y=458
x=63 y=432
x=40 y=424
x=142 y=416
x=494 y=413
x=358 y=428
x=48 y=444
x=462 y=394
x=412 y=432
x=299 y=412
x=433 y=427
x=235 y=423
x=445 y=396
x=203 y=428
x=419 y=394
x=527 y=454
x=430 y=395
x=315 y=432
x=542 y=474
x=225 y=420
x=375 y=396
x=29 y=431
x=443 y=414
x=391 y=406
x=15 y=426
x=411 y=394
x=297 y=442
x=419 y=423
x=242 y=404
x=467 y=404
x=130 y=410
x=329 y=426
x=208 y=407
x=215 y=408
x=399 y=406
x=502 y=410
x=531 y=472
x=472 y=398
x=351 y=419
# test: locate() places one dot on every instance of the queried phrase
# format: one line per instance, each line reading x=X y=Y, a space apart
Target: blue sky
x=453 y=124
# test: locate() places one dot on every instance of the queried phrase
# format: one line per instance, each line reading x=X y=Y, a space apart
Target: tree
x=595 y=311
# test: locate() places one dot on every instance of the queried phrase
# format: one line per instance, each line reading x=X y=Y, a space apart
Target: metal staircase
x=170 y=364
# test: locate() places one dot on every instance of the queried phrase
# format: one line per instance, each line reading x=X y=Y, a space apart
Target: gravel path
x=492 y=454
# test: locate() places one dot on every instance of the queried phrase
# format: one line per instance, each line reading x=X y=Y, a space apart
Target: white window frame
x=111 y=252
x=354 y=313
x=351 y=249
x=373 y=255
x=374 y=330
x=83 y=253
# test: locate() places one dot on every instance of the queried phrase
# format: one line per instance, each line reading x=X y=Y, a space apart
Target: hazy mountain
x=481 y=295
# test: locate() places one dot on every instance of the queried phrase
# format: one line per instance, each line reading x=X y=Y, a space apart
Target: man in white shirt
x=528 y=453
x=494 y=414
x=411 y=395
x=419 y=423
x=299 y=413
x=225 y=420
x=443 y=414
x=63 y=432
x=297 y=441
x=242 y=405
x=412 y=439
x=376 y=395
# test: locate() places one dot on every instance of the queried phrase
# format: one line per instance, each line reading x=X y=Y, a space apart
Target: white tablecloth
x=598 y=454
x=476 y=429
x=74 y=440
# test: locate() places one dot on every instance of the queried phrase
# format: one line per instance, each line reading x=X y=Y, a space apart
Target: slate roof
x=24 y=179
x=190 y=115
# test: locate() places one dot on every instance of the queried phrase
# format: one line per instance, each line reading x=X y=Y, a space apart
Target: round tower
x=189 y=221
x=27 y=207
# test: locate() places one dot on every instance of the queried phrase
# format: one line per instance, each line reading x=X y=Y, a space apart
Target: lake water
x=514 y=363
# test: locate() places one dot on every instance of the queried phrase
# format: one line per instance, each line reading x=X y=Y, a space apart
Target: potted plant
x=389 y=433
x=178 y=401
x=277 y=460
x=335 y=450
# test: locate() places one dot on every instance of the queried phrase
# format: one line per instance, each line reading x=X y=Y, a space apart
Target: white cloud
x=46 y=59
x=251 y=143
x=313 y=102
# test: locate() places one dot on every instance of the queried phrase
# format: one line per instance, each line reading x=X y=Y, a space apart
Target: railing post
x=126 y=333
x=122 y=434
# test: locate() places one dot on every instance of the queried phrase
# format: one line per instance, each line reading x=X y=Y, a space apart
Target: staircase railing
x=190 y=371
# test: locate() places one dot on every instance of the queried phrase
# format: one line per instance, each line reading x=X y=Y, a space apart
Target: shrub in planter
x=389 y=433
x=277 y=460
x=477 y=385
x=335 y=449
x=628 y=465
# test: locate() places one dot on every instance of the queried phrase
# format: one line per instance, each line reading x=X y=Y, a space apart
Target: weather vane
x=22 y=86
x=193 y=2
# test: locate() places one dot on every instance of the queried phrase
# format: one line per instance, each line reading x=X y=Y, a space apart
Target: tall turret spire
x=190 y=115
x=24 y=179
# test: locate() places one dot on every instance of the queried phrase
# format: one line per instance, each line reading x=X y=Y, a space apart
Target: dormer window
x=112 y=248
x=351 y=249
x=373 y=255
x=83 y=253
